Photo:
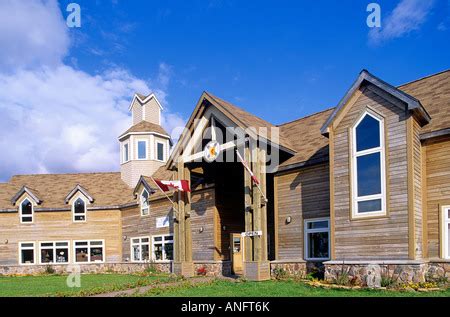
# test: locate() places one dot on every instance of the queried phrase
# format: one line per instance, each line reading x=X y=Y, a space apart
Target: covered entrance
x=243 y=203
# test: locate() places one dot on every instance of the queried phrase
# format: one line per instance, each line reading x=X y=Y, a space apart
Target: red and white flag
x=181 y=185
x=244 y=162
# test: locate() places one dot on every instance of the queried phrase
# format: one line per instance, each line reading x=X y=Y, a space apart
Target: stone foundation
x=290 y=267
x=212 y=268
x=370 y=273
x=94 y=268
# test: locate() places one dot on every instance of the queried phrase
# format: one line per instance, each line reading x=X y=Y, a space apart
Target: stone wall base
x=94 y=268
x=212 y=268
x=371 y=273
x=290 y=268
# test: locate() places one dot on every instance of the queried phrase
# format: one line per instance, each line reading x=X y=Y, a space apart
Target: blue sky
x=65 y=92
x=297 y=57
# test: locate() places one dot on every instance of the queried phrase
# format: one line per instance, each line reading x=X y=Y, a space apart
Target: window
x=140 y=249
x=89 y=251
x=26 y=253
x=26 y=211
x=446 y=231
x=368 y=163
x=162 y=248
x=79 y=210
x=317 y=233
x=142 y=149
x=144 y=203
x=125 y=153
x=160 y=151
x=54 y=252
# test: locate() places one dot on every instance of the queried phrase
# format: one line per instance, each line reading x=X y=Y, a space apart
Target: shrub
x=49 y=270
x=439 y=280
x=342 y=278
x=280 y=273
x=151 y=268
x=388 y=281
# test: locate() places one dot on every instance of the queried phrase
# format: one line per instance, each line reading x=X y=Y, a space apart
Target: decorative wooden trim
x=344 y=110
x=332 y=215
x=410 y=179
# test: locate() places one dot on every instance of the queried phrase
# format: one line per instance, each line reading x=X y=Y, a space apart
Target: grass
x=288 y=288
x=55 y=285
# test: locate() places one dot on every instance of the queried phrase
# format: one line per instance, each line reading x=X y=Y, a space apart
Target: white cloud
x=31 y=33
x=54 y=118
x=407 y=16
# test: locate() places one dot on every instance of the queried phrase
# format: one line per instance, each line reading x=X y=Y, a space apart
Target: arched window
x=144 y=203
x=79 y=210
x=368 y=162
x=26 y=211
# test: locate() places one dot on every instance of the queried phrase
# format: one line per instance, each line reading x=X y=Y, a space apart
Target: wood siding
x=301 y=194
x=202 y=215
x=58 y=226
x=438 y=190
x=375 y=238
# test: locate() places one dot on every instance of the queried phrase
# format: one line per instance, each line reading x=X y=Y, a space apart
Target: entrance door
x=236 y=252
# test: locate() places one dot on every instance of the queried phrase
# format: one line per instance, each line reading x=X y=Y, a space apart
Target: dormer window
x=26 y=211
x=142 y=149
x=145 y=208
x=79 y=210
x=368 y=163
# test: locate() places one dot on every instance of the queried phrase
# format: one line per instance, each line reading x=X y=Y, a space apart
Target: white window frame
x=85 y=210
x=140 y=244
x=32 y=212
x=318 y=230
x=137 y=149
x=445 y=235
x=54 y=247
x=163 y=242
x=88 y=246
x=355 y=155
x=163 y=151
x=126 y=152
x=141 y=203
x=27 y=248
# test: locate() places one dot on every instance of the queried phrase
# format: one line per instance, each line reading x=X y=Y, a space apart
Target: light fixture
x=125 y=238
x=201 y=230
x=6 y=241
x=288 y=220
x=224 y=228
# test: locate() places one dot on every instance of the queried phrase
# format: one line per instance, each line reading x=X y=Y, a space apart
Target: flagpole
x=257 y=185
x=173 y=204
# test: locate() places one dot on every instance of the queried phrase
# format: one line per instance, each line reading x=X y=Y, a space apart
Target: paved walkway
x=143 y=289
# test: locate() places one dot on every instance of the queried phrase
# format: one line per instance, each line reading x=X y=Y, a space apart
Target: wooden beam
x=181 y=216
x=263 y=186
x=248 y=241
x=187 y=211
x=256 y=168
x=176 y=225
x=411 y=211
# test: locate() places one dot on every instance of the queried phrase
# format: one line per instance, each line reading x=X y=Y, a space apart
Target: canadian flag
x=244 y=162
x=181 y=185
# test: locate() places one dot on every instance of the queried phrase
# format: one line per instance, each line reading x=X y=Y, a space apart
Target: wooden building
x=364 y=183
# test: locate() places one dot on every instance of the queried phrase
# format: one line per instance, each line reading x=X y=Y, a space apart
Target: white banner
x=251 y=233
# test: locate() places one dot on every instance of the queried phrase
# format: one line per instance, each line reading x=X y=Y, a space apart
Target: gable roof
x=240 y=117
x=108 y=189
x=145 y=126
x=77 y=189
x=144 y=99
x=365 y=77
x=32 y=193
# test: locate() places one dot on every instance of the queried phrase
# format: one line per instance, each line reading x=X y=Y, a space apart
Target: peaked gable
x=364 y=78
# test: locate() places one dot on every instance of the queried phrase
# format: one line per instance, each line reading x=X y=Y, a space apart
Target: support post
x=257 y=268
x=183 y=264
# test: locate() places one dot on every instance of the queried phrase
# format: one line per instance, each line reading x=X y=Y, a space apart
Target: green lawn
x=276 y=289
x=55 y=285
